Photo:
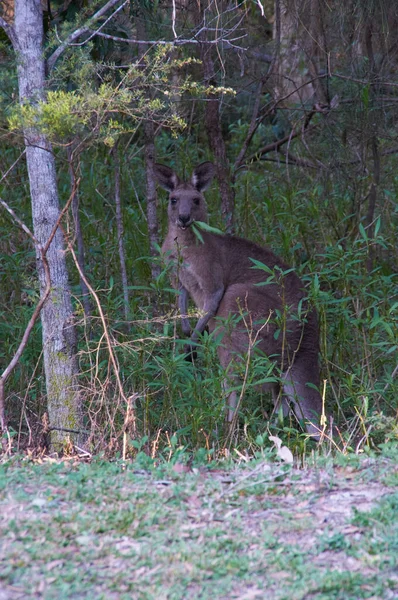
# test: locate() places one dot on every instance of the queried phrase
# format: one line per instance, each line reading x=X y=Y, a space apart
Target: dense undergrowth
x=351 y=277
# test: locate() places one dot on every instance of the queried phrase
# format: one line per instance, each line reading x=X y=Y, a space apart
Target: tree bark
x=150 y=154
x=59 y=337
x=292 y=37
x=78 y=234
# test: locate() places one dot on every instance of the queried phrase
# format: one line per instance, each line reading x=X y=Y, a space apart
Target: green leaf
x=197 y=233
x=205 y=227
x=259 y=265
x=363 y=233
x=377 y=226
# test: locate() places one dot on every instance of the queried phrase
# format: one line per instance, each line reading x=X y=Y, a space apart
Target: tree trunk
x=150 y=153
x=216 y=140
x=59 y=338
x=120 y=235
x=151 y=196
x=79 y=235
x=293 y=35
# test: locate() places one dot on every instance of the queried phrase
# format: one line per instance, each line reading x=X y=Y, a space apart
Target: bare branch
x=176 y=42
x=173 y=20
x=299 y=162
x=261 y=7
x=83 y=30
x=252 y=129
x=293 y=134
x=10 y=32
x=13 y=165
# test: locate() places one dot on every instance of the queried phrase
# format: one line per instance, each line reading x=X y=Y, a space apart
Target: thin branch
x=295 y=162
x=252 y=129
x=94 y=33
x=176 y=42
x=112 y=356
x=10 y=32
x=275 y=145
x=299 y=162
x=173 y=20
x=261 y=7
x=373 y=81
x=82 y=31
x=268 y=109
x=12 y=166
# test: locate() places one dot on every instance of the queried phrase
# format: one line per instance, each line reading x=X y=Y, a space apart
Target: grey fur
x=220 y=277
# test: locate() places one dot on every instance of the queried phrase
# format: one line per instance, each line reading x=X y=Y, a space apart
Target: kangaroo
x=219 y=273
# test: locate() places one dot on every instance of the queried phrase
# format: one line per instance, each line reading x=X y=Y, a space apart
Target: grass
x=255 y=530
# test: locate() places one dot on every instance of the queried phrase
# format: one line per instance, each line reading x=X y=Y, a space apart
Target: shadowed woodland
x=296 y=105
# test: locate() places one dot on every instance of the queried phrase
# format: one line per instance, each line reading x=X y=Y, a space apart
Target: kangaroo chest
x=191 y=266
x=193 y=283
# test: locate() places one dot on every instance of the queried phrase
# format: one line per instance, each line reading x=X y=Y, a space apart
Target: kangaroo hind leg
x=301 y=389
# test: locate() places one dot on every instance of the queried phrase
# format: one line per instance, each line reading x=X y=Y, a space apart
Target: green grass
x=258 y=530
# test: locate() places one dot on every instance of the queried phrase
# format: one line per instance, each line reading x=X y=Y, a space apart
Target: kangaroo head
x=186 y=201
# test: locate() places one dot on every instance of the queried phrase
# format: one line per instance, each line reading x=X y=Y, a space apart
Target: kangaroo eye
x=196 y=201
x=173 y=200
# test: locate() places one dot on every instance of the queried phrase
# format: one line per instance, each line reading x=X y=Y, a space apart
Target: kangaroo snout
x=184 y=220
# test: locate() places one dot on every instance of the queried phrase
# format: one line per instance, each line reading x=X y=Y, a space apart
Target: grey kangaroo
x=218 y=273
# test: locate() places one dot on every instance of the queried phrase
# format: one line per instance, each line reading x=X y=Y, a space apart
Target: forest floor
x=257 y=530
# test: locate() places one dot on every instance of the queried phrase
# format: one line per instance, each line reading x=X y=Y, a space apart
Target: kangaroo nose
x=184 y=219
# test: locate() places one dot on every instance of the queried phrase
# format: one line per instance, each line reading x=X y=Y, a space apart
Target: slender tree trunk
x=292 y=37
x=316 y=51
x=59 y=339
x=79 y=235
x=373 y=141
x=120 y=234
x=216 y=140
x=150 y=153
x=151 y=196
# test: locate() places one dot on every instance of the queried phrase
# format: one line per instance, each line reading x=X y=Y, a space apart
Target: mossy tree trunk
x=59 y=338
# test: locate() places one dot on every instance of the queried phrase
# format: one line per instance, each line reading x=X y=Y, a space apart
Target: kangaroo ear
x=166 y=177
x=202 y=176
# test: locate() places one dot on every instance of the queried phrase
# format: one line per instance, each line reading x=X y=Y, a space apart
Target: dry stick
x=24 y=402
x=13 y=165
x=182 y=42
x=43 y=251
x=130 y=417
